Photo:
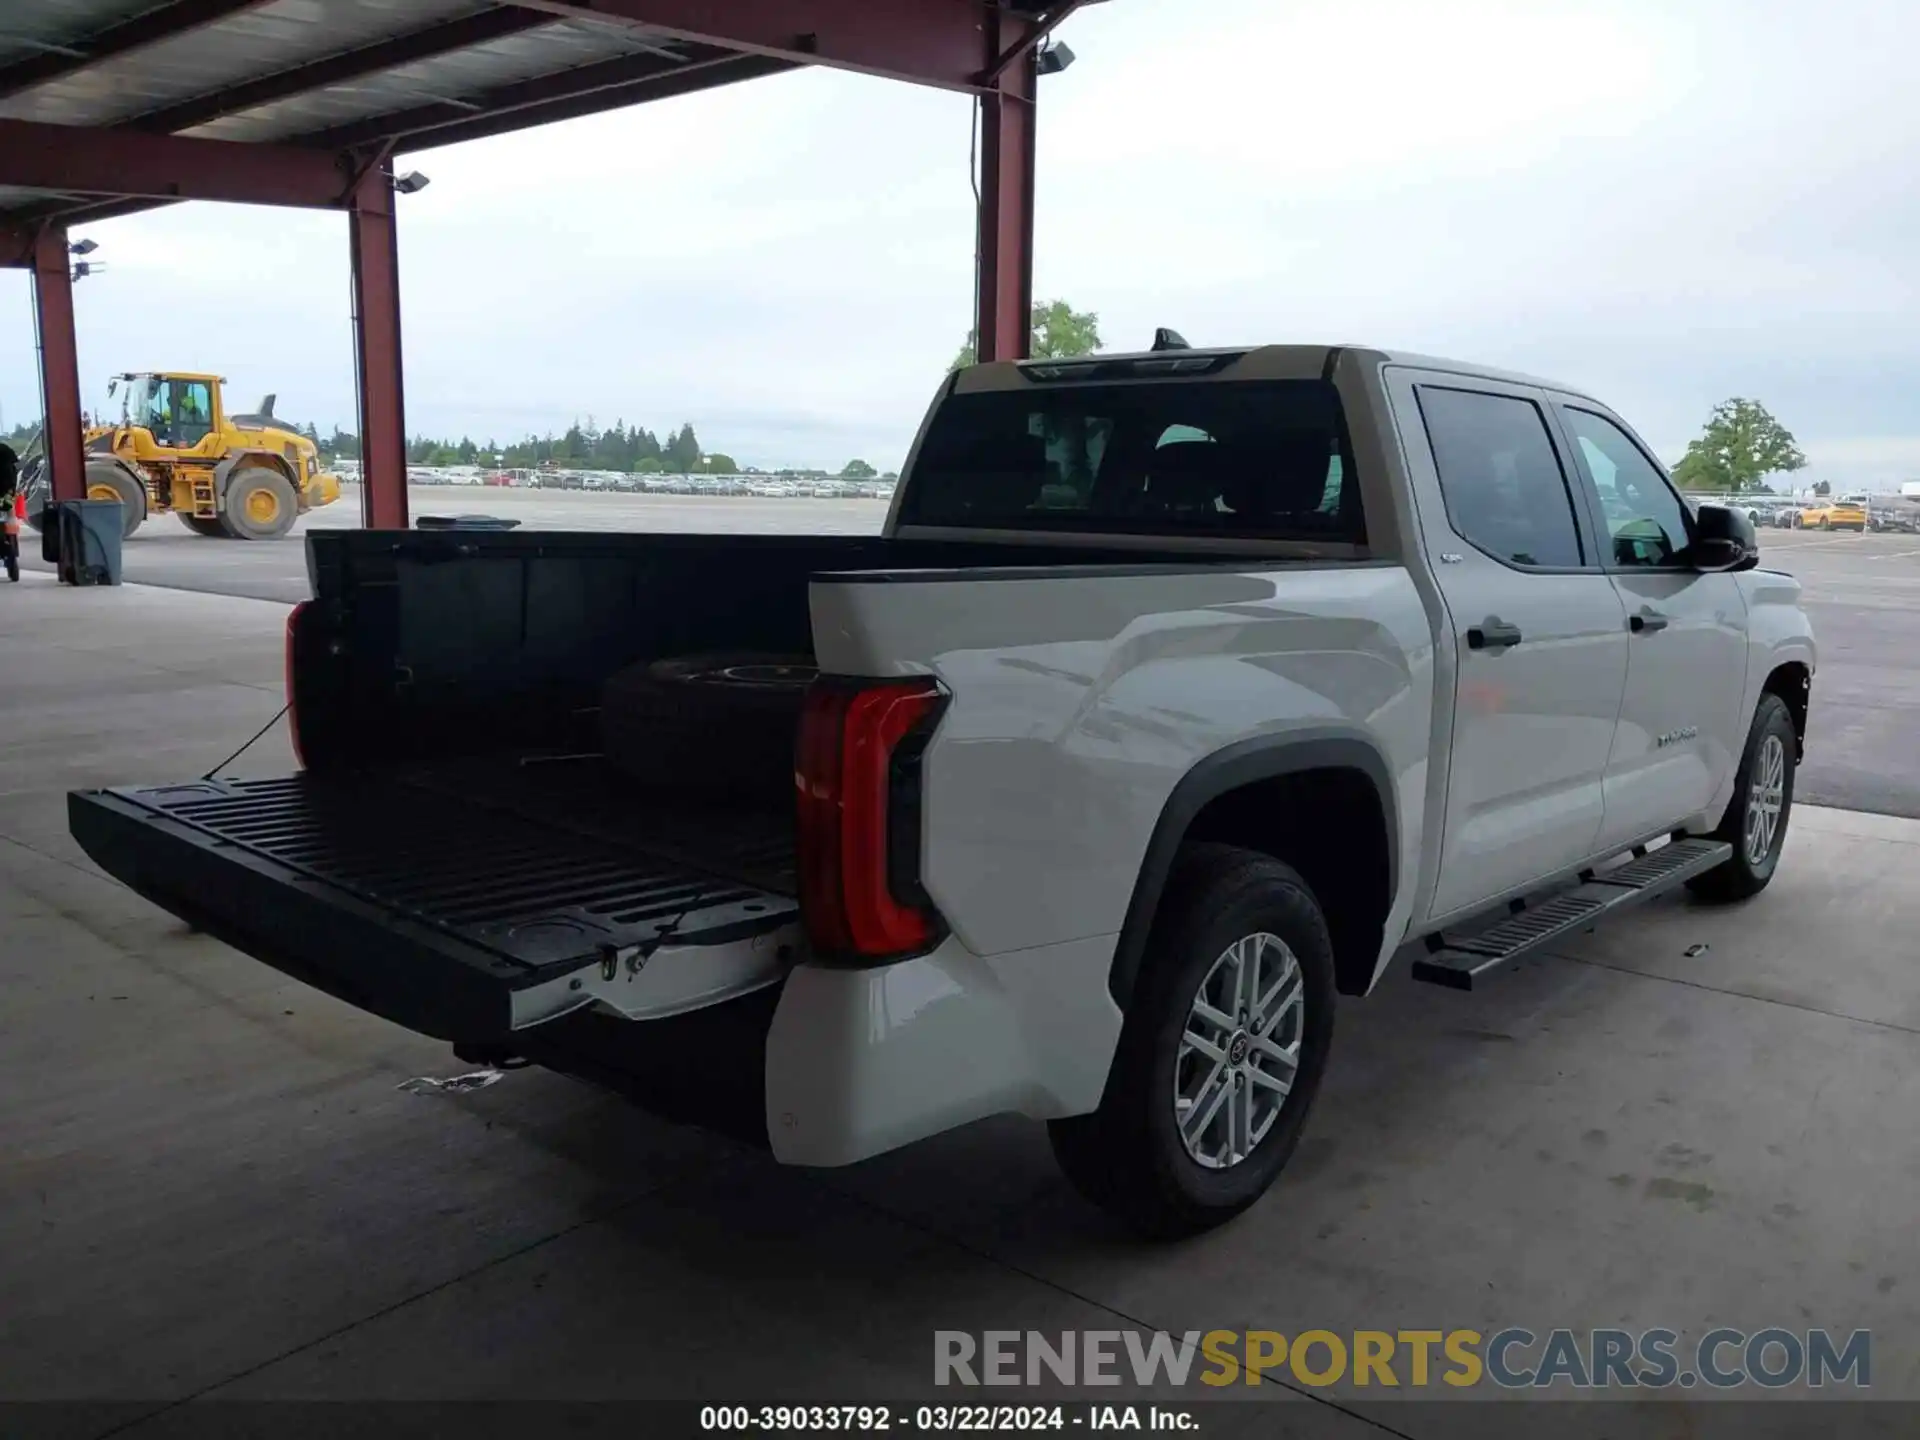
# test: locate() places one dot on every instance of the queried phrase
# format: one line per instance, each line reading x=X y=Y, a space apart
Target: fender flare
x=223 y=472
x=1246 y=762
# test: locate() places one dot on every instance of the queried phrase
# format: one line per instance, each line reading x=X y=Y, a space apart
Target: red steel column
x=376 y=345
x=59 y=364
x=1005 y=322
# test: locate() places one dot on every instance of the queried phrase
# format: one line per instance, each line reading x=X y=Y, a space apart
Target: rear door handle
x=1646 y=622
x=1493 y=633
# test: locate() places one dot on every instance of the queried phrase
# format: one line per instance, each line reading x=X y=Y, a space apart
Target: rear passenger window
x=1505 y=491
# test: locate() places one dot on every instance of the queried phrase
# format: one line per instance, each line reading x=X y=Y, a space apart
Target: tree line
x=582 y=446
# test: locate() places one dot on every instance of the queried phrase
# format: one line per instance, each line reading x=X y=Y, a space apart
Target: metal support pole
x=59 y=365
x=1005 y=322
x=376 y=344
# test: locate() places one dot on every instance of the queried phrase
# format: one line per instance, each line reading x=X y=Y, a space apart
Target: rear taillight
x=293 y=693
x=857 y=777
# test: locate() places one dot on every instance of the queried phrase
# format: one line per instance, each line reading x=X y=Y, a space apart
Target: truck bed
x=442 y=898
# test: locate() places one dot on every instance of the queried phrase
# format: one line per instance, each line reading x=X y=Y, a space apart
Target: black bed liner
x=430 y=898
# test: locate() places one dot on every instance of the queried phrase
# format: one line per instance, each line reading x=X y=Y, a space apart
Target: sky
x=1664 y=202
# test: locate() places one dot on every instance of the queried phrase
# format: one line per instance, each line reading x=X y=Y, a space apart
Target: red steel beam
x=1005 y=322
x=928 y=42
x=59 y=364
x=349 y=65
x=584 y=90
x=125 y=164
x=376 y=348
x=89 y=212
x=148 y=28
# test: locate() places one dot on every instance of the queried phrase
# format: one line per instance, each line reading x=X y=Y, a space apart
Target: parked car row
x=769 y=486
x=1855 y=511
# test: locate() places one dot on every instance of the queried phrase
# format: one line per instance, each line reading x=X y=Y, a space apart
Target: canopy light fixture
x=1054 y=58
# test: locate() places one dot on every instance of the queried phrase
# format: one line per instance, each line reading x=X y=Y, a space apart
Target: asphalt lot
x=165 y=552
x=1863 y=592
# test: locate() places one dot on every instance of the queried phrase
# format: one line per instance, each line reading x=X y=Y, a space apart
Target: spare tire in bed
x=718 y=724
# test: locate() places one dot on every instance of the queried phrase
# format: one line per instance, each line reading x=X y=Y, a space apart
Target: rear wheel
x=1226 y=1036
x=260 y=504
x=1755 y=823
x=109 y=481
x=208 y=526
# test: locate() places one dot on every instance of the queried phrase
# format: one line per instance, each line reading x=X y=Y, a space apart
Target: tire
x=211 y=528
x=722 y=724
x=259 y=505
x=1768 y=760
x=1129 y=1157
x=108 y=480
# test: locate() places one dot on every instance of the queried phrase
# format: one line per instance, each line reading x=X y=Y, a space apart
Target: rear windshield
x=1261 y=459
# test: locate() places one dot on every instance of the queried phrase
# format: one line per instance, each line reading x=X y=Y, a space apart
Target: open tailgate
x=448 y=916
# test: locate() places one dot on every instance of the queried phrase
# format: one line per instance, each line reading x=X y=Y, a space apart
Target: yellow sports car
x=1831 y=515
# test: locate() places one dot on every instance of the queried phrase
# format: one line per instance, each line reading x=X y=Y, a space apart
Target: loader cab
x=179 y=411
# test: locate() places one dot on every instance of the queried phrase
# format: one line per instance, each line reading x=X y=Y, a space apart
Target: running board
x=1457 y=961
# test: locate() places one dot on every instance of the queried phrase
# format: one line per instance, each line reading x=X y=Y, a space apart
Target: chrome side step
x=1457 y=961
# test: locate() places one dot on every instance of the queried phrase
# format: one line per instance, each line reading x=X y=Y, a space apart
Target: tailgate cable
x=278 y=715
x=636 y=956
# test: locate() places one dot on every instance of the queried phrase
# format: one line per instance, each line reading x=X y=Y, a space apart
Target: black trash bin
x=81 y=539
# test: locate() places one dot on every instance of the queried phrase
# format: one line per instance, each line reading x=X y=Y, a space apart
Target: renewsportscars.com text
x=1512 y=1358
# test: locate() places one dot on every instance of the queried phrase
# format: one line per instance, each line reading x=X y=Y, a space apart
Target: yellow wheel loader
x=175 y=448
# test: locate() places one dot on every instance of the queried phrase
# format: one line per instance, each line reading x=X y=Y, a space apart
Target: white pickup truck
x=1182 y=691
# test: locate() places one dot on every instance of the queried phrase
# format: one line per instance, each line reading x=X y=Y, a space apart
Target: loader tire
x=109 y=480
x=720 y=725
x=203 y=525
x=260 y=504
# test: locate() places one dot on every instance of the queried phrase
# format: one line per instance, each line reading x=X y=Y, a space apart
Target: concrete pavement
x=214 y=1189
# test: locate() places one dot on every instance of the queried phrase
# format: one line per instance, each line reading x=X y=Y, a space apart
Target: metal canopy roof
x=364 y=79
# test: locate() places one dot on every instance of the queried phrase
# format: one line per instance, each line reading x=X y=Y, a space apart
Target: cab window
x=192 y=412
x=1500 y=477
x=1253 y=459
x=1646 y=522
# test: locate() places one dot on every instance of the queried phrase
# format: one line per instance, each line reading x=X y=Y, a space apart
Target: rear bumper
x=863 y=1061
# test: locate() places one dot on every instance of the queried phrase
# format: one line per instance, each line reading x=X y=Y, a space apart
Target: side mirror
x=1723 y=539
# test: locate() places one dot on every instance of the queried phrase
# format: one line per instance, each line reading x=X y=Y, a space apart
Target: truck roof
x=1276 y=362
